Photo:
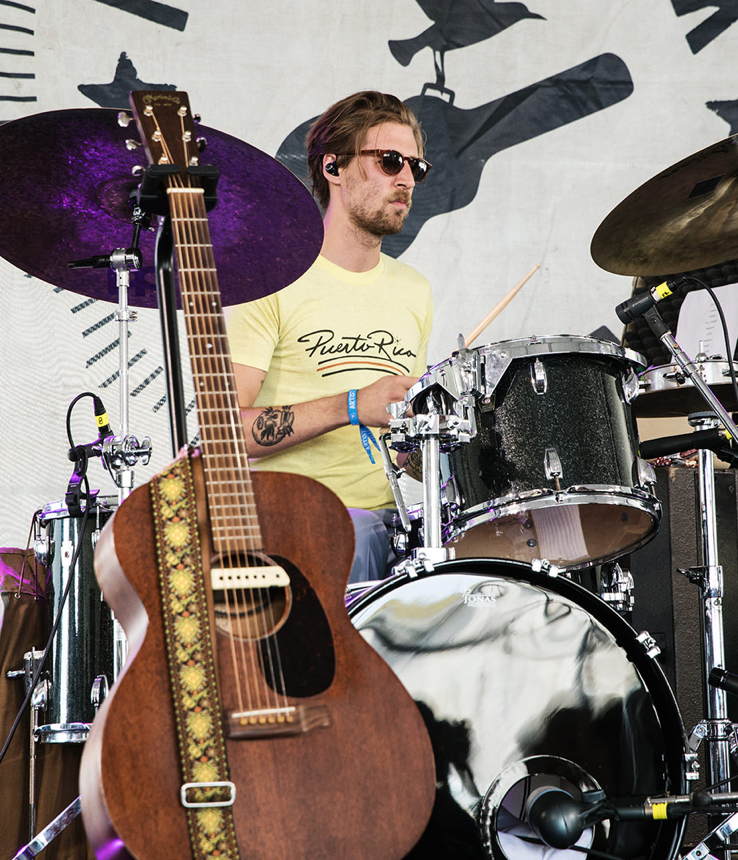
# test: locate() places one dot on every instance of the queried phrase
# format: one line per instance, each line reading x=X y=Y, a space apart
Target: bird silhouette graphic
x=458 y=24
x=115 y=94
x=727 y=111
x=460 y=141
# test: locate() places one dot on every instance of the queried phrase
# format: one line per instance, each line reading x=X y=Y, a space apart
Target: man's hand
x=371 y=402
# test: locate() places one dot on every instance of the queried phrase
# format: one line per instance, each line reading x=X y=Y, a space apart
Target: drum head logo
x=476 y=597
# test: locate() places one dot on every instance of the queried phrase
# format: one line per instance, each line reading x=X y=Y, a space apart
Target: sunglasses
x=391 y=161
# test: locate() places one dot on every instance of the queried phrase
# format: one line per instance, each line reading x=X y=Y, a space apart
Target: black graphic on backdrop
x=458 y=24
x=461 y=141
x=115 y=94
x=728 y=111
x=20 y=12
x=725 y=15
x=159 y=13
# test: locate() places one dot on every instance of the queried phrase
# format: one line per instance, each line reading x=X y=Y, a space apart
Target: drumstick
x=499 y=307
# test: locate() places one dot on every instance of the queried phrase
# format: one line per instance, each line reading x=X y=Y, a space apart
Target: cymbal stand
x=122 y=452
x=716 y=729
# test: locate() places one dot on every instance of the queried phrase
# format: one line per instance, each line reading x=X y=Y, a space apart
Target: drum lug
x=496 y=363
x=691 y=767
x=631 y=385
x=552 y=466
x=538 y=377
x=543 y=565
x=645 y=473
x=649 y=644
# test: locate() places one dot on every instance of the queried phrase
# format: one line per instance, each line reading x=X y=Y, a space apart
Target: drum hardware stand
x=433 y=432
x=50 y=832
x=716 y=729
x=616 y=587
x=31 y=662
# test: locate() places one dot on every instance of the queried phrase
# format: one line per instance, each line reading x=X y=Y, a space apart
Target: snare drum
x=553 y=470
x=83 y=648
x=667 y=392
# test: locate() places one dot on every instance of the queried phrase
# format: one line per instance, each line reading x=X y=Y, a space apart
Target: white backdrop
x=258 y=71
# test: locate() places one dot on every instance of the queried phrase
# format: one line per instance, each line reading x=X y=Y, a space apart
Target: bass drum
x=525 y=682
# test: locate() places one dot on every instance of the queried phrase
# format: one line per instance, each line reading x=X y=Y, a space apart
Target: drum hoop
x=527 y=347
x=713 y=372
x=623 y=633
x=561 y=344
x=59 y=510
x=577 y=494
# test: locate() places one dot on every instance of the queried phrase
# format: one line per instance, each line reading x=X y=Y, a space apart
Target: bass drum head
x=526 y=682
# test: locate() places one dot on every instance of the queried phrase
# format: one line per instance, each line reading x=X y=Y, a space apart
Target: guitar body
x=361 y=787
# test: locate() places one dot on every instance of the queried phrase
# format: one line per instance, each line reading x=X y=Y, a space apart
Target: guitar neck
x=232 y=508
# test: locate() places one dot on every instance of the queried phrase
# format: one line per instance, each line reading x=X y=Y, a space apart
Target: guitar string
x=204 y=264
x=181 y=221
x=180 y=225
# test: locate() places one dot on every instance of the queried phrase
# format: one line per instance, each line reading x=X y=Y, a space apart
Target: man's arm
x=270 y=429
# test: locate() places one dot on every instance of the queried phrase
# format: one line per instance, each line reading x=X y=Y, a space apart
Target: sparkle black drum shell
x=526 y=680
x=553 y=470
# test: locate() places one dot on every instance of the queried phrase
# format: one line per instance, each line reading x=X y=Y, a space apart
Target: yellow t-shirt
x=331 y=331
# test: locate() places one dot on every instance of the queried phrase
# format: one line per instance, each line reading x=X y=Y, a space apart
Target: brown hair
x=343 y=127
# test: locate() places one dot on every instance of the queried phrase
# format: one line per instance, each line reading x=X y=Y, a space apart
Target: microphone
x=555 y=817
x=101 y=417
x=636 y=306
x=93 y=449
x=559 y=820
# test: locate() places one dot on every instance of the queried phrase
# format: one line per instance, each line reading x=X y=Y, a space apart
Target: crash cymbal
x=685 y=218
x=66 y=184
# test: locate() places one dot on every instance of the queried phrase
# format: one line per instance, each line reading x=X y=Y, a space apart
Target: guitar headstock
x=167 y=127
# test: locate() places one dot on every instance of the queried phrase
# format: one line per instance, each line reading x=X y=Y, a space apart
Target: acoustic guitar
x=251 y=719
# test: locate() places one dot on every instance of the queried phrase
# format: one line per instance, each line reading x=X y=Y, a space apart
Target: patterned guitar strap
x=206 y=792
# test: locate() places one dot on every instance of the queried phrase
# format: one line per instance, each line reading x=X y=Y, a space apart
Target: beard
x=379 y=222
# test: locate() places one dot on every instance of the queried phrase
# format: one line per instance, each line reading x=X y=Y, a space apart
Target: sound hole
x=249 y=612
x=304 y=641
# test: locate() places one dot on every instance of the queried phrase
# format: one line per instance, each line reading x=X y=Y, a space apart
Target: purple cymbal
x=67 y=187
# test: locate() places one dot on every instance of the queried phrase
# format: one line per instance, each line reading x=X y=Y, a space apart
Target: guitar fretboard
x=232 y=508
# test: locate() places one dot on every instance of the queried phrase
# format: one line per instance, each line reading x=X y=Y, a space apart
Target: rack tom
x=552 y=471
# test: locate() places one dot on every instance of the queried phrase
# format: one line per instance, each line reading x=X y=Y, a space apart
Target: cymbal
x=685 y=218
x=66 y=184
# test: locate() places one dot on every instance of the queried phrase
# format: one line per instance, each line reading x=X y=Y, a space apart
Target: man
x=351 y=335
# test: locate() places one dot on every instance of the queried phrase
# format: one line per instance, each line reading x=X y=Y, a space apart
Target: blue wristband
x=366 y=433
x=353 y=414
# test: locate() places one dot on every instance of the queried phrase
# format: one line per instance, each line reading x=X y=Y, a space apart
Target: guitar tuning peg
x=202 y=143
x=138 y=170
x=196 y=118
x=132 y=144
x=124 y=119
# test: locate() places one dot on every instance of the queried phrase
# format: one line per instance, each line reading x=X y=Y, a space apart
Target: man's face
x=376 y=203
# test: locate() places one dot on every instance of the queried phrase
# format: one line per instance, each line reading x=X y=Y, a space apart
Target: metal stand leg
x=719 y=727
x=51 y=831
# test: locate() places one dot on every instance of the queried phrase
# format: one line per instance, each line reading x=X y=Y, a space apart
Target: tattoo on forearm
x=273 y=425
x=413 y=465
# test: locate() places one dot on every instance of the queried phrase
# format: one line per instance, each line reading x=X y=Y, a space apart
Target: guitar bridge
x=273 y=722
x=249 y=577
